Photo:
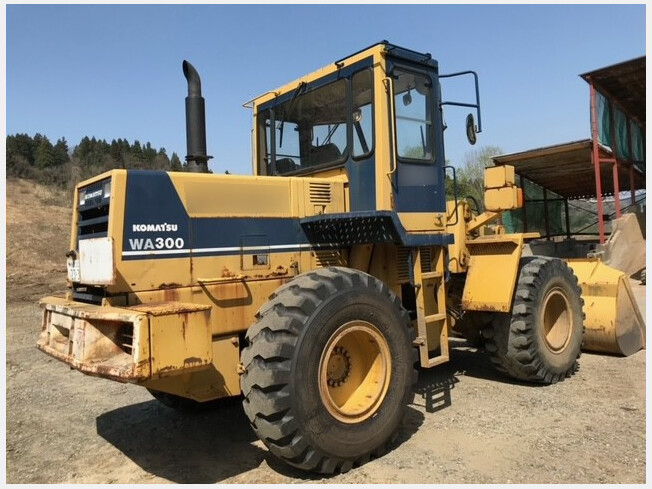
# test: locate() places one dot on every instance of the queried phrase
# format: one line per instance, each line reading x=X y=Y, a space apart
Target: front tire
x=329 y=370
x=540 y=340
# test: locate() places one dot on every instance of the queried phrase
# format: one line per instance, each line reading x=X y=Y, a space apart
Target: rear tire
x=329 y=370
x=540 y=340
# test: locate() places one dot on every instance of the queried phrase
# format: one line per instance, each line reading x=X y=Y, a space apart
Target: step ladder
x=432 y=322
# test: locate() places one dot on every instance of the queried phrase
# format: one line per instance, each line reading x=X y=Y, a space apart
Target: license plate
x=73 y=270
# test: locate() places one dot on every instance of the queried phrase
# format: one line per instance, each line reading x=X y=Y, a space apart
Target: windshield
x=310 y=130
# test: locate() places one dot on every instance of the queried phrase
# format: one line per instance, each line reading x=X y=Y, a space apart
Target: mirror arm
x=477 y=96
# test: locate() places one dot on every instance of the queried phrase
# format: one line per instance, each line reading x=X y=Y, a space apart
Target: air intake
x=320 y=193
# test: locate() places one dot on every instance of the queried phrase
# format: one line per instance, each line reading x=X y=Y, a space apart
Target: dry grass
x=38 y=236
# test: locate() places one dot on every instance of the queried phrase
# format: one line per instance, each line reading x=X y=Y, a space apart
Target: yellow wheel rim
x=354 y=372
x=557 y=320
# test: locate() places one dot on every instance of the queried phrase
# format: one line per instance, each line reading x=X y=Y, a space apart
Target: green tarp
x=625 y=132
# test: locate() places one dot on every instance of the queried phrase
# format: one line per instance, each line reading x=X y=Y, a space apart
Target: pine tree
x=45 y=156
x=61 y=152
x=116 y=153
x=22 y=146
x=175 y=163
x=82 y=149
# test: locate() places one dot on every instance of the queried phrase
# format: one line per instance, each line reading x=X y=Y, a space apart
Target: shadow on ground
x=211 y=446
x=435 y=384
x=204 y=447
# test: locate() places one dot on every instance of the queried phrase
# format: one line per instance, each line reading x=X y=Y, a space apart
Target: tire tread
x=511 y=339
x=268 y=355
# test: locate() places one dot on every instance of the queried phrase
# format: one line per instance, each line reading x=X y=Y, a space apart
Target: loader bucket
x=613 y=322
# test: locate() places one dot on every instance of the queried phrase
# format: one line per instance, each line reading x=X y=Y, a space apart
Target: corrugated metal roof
x=624 y=83
x=567 y=169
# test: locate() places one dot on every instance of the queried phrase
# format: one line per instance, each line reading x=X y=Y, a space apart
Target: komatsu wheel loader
x=315 y=287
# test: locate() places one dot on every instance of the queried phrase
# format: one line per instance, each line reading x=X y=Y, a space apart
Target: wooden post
x=616 y=187
x=632 y=188
x=523 y=180
x=545 y=213
x=568 y=230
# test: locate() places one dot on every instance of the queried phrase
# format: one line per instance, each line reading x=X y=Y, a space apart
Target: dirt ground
x=467 y=424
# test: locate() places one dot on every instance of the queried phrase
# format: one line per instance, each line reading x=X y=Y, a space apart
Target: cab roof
x=381 y=48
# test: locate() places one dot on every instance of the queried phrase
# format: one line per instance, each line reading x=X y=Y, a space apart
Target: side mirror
x=470 y=129
x=407 y=98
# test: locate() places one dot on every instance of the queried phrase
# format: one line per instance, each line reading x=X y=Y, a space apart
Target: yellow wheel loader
x=315 y=287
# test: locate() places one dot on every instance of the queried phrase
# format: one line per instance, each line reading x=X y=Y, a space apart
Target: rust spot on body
x=169 y=368
x=193 y=361
x=279 y=272
x=166 y=308
x=184 y=324
x=171 y=294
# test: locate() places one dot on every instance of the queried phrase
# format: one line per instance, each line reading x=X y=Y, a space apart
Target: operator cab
x=373 y=119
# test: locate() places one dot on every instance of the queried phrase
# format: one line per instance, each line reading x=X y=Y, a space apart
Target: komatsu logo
x=97 y=193
x=155 y=228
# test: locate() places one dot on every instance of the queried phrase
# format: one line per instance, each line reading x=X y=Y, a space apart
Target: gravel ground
x=467 y=424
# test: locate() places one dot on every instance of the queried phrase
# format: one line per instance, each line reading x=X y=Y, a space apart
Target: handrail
x=457 y=217
x=389 y=87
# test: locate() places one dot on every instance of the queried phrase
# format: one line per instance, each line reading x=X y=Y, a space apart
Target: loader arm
x=613 y=322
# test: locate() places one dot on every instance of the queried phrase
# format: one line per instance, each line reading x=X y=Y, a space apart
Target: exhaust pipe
x=197 y=159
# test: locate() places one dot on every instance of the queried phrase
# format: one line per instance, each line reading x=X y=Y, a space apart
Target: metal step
x=431 y=276
x=431 y=310
x=433 y=318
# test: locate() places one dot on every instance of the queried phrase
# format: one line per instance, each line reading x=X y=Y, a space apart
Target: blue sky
x=114 y=71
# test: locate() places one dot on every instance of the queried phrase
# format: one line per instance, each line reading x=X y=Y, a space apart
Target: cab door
x=418 y=179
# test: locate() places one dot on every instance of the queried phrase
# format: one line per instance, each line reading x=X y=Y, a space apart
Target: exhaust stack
x=197 y=159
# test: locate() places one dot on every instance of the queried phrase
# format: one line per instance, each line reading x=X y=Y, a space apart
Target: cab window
x=310 y=129
x=317 y=128
x=413 y=112
x=363 y=113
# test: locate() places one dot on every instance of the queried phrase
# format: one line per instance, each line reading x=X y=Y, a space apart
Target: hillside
x=38 y=236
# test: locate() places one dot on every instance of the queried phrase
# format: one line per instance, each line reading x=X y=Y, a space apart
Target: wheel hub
x=339 y=367
x=354 y=372
x=557 y=320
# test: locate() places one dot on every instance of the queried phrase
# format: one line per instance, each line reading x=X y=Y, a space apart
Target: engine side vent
x=403 y=266
x=329 y=258
x=426 y=259
x=126 y=338
x=320 y=192
x=402 y=270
